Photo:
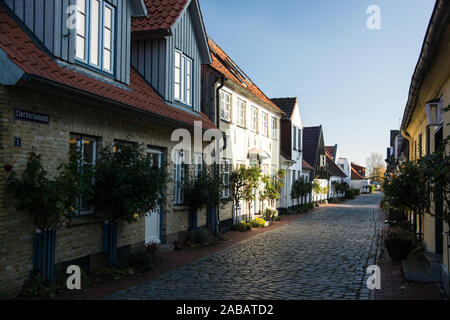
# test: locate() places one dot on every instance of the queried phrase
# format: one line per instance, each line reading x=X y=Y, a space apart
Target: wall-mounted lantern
x=434 y=112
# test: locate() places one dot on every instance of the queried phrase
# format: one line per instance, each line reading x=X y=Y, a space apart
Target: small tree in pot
x=127 y=188
x=205 y=190
x=300 y=188
x=49 y=202
x=272 y=187
x=317 y=189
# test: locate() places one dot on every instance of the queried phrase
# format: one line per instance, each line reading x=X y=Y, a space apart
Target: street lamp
x=434 y=112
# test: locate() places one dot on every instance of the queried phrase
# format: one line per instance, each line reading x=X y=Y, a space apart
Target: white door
x=153 y=218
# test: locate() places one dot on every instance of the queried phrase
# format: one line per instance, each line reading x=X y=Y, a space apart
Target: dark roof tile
x=311 y=137
x=286 y=104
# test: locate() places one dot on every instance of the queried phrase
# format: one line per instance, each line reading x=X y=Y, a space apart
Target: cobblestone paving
x=323 y=255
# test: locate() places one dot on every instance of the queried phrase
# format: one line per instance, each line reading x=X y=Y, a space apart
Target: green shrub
x=143 y=259
x=270 y=214
x=357 y=192
x=242 y=226
x=372 y=189
x=202 y=236
x=350 y=194
x=258 y=223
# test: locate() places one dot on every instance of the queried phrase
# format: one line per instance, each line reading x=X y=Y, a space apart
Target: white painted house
x=250 y=120
x=291 y=148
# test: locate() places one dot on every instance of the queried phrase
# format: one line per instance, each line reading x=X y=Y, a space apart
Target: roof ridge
x=248 y=84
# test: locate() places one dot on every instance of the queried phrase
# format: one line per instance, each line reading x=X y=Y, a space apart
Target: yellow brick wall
x=435 y=85
x=85 y=235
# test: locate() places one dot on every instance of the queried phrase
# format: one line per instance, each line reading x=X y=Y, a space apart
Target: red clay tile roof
x=162 y=14
x=359 y=169
x=26 y=55
x=333 y=168
x=330 y=150
x=356 y=175
x=223 y=63
x=307 y=166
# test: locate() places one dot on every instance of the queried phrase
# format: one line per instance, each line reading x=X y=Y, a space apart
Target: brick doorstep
x=174 y=260
x=393 y=284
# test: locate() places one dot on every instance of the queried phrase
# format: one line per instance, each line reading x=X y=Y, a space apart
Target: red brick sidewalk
x=172 y=261
x=393 y=284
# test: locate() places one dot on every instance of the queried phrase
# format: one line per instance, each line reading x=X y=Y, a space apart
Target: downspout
x=222 y=83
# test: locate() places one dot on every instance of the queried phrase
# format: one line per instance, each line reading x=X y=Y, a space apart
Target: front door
x=153 y=218
x=211 y=216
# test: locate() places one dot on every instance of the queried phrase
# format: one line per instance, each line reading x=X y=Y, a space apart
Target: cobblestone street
x=322 y=255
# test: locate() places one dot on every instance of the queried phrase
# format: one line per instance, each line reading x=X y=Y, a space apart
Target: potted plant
x=49 y=202
x=399 y=243
x=127 y=188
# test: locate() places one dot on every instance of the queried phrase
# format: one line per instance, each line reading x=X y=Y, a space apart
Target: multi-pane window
x=241 y=113
x=273 y=128
x=87 y=147
x=179 y=174
x=183 y=78
x=254 y=119
x=95 y=34
x=225 y=106
x=265 y=124
x=198 y=164
x=294 y=137
x=226 y=175
x=299 y=139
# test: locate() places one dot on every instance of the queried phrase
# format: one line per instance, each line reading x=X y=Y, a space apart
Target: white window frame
x=225 y=106
x=198 y=164
x=226 y=178
x=95 y=48
x=80 y=148
x=299 y=139
x=274 y=129
x=265 y=124
x=241 y=105
x=294 y=139
x=182 y=87
x=254 y=119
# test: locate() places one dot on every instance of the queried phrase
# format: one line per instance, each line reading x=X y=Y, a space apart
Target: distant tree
x=375 y=166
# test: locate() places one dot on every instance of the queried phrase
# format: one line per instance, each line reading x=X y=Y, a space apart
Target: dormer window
x=95 y=34
x=183 y=79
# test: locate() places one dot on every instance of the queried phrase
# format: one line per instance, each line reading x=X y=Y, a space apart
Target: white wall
x=243 y=139
x=297 y=156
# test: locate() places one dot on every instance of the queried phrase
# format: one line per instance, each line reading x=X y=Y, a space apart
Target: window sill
x=84 y=220
x=178 y=207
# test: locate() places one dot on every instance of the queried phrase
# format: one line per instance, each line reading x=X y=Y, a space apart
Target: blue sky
x=352 y=80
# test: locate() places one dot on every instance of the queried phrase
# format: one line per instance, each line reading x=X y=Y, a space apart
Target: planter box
x=398 y=249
